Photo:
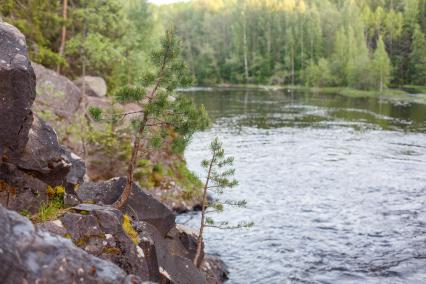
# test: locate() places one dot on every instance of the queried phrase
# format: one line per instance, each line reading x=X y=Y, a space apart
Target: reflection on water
x=335 y=185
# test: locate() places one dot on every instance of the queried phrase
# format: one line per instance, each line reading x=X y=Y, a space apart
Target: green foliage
x=282 y=42
x=381 y=66
x=319 y=75
x=95 y=113
x=52 y=208
x=220 y=173
x=418 y=57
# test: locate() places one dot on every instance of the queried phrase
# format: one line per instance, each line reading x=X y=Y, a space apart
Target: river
x=336 y=187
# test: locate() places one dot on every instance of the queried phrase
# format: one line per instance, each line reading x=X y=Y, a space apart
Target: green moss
x=68 y=236
x=81 y=242
x=25 y=213
x=111 y=250
x=129 y=230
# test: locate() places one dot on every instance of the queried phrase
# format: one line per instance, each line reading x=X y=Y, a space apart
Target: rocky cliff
x=76 y=236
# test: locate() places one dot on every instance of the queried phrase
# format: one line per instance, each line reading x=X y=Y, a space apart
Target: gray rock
x=215 y=269
x=140 y=206
x=17 y=92
x=183 y=241
x=173 y=267
x=55 y=93
x=99 y=231
x=43 y=163
x=95 y=86
x=30 y=255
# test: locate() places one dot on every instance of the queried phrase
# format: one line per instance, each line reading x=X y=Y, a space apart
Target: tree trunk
x=197 y=258
x=131 y=168
x=246 y=71
x=63 y=33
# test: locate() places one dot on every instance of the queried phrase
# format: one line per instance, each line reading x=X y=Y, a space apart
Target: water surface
x=335 y=185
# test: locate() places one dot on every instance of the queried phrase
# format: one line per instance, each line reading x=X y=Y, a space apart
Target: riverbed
x=336 y=187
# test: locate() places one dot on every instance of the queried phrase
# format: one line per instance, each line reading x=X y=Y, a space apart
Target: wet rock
x=95 y=86
x=30 y=255
x=55 y=93
x=141 y=206
x=17 y=92
x=215 y=269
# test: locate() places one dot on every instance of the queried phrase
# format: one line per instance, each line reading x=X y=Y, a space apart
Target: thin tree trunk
x=137 y=143
x=64 y=32
x=246 y=71
x=197 y=258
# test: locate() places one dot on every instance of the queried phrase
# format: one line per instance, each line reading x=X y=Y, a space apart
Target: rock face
x=99 y=231
x=30 y=255
x=215 y=269
x=17 y=92
x=95 y=86
x=31 y=157
x=55 y=93
x=141 y=206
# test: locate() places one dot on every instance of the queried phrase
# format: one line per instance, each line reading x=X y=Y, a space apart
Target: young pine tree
x=161 y=110
x=220 y=174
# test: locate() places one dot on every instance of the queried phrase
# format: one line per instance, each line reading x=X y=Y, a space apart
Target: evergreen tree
x=160 y=110
x=418 y=57
x=381 y=65
x=219 y=176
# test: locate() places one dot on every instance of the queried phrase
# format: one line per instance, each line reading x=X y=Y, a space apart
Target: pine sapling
x=220 y=172
x=160 y=108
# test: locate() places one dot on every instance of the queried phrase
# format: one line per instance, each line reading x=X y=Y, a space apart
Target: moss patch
x=129 y=230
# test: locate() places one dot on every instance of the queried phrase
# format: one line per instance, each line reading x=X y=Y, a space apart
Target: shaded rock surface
x=172 y=266
x=215 y=269
x=95 y=86
x=30 y=255
x=141 y=206
x=17 y=92
x=55 y=93
x=32 y=159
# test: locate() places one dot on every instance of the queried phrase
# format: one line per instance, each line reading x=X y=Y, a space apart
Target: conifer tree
x=381 y=65
x=160 y=108
x=418 y=57
x=220 y=172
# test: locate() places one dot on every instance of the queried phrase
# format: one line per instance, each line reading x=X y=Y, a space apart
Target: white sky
x=159 y=2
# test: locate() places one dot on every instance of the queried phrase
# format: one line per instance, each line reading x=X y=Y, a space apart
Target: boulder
x=140 y=206
x=55 y=93
x=183 y=241
x=17 y=92
x=31 y=255
x=99 y=231
x=215 y=269
x=95 y=86
x=172 y=266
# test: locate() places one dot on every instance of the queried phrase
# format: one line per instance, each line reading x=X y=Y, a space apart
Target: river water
x=336 y=187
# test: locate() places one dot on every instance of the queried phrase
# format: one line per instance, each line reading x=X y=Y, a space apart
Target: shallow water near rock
x=336 y=187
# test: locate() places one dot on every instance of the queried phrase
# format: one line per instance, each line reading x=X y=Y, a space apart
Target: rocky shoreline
x=87 y=240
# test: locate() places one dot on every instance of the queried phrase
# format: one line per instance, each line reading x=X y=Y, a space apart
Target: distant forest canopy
x=364 y=44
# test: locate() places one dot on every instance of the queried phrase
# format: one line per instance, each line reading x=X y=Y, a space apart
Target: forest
x=367 y=44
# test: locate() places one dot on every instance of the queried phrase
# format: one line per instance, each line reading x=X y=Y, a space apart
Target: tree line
x=108 y=38
x=364 y=44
